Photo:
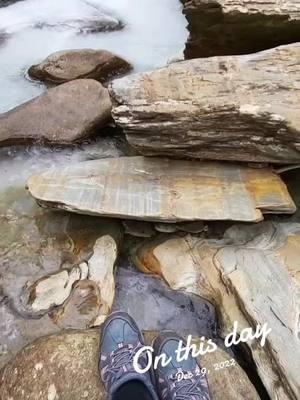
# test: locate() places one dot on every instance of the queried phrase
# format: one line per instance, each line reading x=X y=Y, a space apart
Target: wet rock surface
x=36 y=244
x=66 y=366
x=63 y=115
x=139 y=228
x=52 y=307
x=242 y=108
x=97 y=24
x=61 y=271
x=81 y=309
x=67 y=65
x=226 y=27
x=175 y=190
x=137 y=293
x=247 y=276
x=53 y=290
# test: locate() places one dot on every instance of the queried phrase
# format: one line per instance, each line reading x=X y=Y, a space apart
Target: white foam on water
x=155 y=31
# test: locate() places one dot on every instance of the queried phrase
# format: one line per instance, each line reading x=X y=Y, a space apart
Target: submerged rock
x=67 y=65
x=53 y=290
x=82 y=303
x=96 y=24
x=36 y=244
x=223 y=27
x=81 y=309
x=162 y=190
x=252 y=277
x=154 y=306
x=65 y=366
x=65 y=114
x=241 y=108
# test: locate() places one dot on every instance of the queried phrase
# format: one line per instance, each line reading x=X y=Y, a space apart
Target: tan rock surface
x=67 y=65
x=67 y=365
x=64 y=114
x=252 y=277
x=223 y=27
x=162 y=190
x=52 y=290
x=241 y=108
x=82 y=307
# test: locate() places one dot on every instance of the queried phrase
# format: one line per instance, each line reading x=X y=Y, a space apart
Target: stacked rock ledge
x=237 y=108
x=226 y=27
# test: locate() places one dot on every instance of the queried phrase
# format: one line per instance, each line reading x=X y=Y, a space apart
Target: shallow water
x=187 y=314
x=154 y=32
x=35 y=242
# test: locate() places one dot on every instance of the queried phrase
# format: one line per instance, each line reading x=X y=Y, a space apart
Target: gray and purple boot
x=120 y=340
x=178 y=380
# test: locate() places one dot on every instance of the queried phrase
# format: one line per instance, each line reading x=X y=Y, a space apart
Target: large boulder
x=158 y=189
x=241 y=108
x=223 y=27
x=67 y=65
x=65 y=114
x=41 y=253
x=252 y=278
x=65 y=366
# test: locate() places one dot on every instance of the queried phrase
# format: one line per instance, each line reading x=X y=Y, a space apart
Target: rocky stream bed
x=152 y=169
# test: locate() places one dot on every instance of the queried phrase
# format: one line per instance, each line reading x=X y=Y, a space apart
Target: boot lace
x=121 y=357
x=186 y=388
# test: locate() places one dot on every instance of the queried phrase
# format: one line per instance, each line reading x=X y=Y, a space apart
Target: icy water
x=35 y=242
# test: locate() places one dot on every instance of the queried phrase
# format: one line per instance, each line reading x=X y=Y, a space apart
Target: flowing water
x=154 y=31
x=35 y=242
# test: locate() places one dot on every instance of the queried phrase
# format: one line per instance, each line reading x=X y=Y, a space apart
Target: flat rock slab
x=65 y=366
x=62 y=115
x=252 y=278
x=67 y=65
x=240 y=108
x=162 y=190
x=223 y=27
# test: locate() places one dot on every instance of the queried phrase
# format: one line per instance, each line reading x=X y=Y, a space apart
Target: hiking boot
x=178 y=380
x=120 y=340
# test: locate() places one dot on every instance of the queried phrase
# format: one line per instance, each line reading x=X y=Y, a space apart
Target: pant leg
x=133 y=390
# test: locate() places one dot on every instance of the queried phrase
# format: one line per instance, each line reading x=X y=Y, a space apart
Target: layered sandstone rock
x=62 y=115
x=225 y=27
x=252 y=277
x=162 y=190
x=67 y=65
x=65 y=366
x=242 y=108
